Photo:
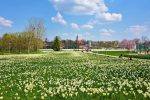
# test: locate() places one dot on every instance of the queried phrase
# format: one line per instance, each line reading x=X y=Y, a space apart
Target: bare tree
x=36 y=30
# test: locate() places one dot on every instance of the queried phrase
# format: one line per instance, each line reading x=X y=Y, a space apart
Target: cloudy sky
x=90 y=19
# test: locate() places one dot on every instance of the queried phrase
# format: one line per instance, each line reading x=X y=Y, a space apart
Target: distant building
x=82 y=44
x=47 y=44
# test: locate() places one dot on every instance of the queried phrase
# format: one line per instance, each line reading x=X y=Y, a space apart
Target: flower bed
x=73 y=76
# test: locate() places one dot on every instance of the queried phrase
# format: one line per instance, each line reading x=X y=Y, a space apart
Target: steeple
x=77 y=39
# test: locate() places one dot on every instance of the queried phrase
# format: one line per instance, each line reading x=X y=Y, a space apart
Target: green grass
x=115 y=53
x=21 y=52
x=73 y=76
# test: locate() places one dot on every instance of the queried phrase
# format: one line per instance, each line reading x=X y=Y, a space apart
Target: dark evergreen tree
x=57 y=44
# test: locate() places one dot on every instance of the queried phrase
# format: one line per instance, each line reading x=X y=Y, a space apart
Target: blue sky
x=91 y=19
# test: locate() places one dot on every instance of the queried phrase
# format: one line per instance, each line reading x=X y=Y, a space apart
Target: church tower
x=77 y=44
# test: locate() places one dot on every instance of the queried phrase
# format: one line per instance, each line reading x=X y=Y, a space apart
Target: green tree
x=7 y=41
x=57 y=44
x=1 y=44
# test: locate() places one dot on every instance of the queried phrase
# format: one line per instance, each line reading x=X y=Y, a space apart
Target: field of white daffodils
x=73 y=76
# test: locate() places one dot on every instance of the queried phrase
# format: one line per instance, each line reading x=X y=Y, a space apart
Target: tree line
x=140 y=45
x=28 y=41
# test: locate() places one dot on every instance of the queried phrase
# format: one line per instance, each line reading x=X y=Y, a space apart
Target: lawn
x=73 y=76
x=115 y=53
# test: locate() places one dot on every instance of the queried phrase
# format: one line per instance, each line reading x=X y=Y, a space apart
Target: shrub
x=139 y=56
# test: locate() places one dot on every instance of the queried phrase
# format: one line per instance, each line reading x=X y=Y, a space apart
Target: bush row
x=138 y=56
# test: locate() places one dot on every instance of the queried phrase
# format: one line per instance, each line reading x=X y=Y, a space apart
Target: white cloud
x=138 y=29
x=108 y=17
x=59 y=19
x=65 y=34
x=96 y=9
x=106 y=32
x=87 y=26
x=80 y=7
x=106 y=35
x=5 y=22
x=88 y=33
x=75 y=26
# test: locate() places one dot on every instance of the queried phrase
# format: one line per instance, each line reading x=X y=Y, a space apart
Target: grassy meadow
x=73 y=76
